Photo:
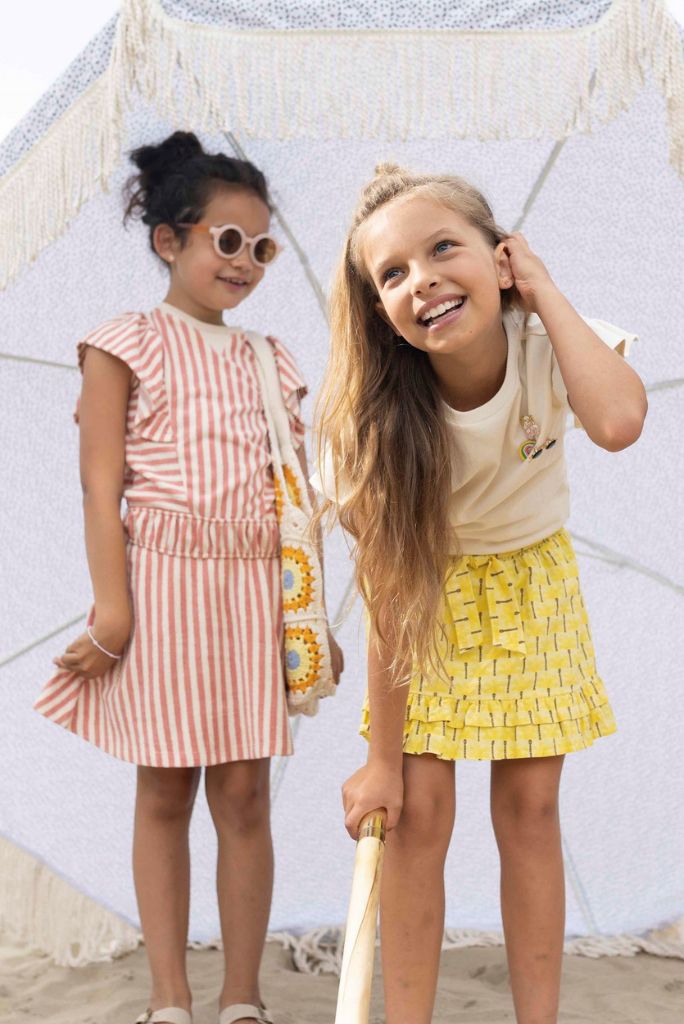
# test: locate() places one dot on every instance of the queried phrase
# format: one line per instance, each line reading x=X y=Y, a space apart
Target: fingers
x=351 y=823
x=352 y=813
x=83 y=659
x=357 y=813
x=354 y=818
x=392 y=819
x=337 y=659
x=517 y=244
x=70 y=659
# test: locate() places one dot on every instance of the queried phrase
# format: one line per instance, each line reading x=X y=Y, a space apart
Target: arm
x=336 y=655
x=379 y=783
x=104 y=402
x=604 y=392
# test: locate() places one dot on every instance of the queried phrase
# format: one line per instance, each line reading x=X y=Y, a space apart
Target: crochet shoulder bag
x=308 y=670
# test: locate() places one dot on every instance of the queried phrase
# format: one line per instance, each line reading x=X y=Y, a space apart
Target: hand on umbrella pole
x=353 y=997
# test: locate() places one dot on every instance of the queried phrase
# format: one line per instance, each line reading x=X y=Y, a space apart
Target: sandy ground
x=473 y=989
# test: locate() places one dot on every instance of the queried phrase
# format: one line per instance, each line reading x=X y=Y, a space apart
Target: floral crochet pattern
x=303 y=657
x=298 y=579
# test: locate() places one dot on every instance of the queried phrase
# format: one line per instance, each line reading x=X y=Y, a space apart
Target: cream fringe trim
x=338 y=84
x=42 y=911
x=47 y=187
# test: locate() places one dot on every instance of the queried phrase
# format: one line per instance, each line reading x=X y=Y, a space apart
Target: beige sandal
x=170 y=1015
x=239 y=1010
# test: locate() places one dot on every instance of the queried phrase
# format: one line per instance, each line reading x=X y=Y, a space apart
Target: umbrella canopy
x=566 y=116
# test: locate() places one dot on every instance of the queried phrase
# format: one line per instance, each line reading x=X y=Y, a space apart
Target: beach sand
x=473 y=989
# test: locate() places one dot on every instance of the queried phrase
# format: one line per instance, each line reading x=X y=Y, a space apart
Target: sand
x=473 y=989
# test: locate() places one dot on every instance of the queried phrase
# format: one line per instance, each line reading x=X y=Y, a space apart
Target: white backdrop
x=609 y=221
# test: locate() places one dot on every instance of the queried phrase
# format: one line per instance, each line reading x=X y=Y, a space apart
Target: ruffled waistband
x=175 y=533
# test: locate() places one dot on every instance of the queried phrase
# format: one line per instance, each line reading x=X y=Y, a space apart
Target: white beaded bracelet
x=114 y=657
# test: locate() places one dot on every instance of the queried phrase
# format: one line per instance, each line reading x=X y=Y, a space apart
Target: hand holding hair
x=529 y=274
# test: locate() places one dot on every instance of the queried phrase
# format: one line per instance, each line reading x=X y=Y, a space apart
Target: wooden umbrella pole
x=353 y=996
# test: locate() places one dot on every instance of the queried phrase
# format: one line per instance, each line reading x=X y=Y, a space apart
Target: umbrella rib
x=616 y=558
x=38 y=362
x=41 y=640
x=579 y=889
x=539 y=183
x=289 y=233
x=659 y=385
x=540 y=180
x=280 y=764
x=665 y=385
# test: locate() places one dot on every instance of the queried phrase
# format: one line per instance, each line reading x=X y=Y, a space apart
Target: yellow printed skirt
x=517 y=648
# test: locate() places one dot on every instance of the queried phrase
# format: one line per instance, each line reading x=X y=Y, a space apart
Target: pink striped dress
x=201 y=680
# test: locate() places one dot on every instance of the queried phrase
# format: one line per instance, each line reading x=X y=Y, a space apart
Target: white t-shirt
x=501 y=501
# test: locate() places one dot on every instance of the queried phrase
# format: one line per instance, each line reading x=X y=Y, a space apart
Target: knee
x=525 y=819
x=238 y=796
x=167 y=793
x=426 y=823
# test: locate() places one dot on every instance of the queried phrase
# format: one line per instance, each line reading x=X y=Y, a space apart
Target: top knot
x=386 y=169
x=155 y=162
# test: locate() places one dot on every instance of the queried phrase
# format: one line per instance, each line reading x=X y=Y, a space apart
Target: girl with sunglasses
x=180 y=666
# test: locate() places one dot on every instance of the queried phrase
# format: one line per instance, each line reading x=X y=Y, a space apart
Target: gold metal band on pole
x=374 y=826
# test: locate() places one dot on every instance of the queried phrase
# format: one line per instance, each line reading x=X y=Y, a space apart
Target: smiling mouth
x=437 y=312
x=237 y=281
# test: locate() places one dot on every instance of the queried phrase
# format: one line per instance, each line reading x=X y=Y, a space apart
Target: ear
x=166 y=243
x=379 y=308
x=502 y=263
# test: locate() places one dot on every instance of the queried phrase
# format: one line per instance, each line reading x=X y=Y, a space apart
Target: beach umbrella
x=569 y=116
x=356 y=974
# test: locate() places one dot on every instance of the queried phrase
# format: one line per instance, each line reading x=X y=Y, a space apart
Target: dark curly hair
x=176 y=179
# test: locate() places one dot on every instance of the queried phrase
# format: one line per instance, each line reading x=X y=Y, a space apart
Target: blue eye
x=443 y=246
x=388 y=274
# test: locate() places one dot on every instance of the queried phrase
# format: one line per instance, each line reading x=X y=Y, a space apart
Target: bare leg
x=524 y=800
x=161 y=869
x=412 y=895
x=239 y=800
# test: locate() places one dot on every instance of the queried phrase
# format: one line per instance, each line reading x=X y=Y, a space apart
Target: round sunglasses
x=229 y=241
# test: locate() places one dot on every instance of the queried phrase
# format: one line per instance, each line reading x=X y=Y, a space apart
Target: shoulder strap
x=276 y=413
x=273 y=396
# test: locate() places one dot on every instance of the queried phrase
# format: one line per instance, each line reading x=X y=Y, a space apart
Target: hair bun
x=156 y=161
x=386 y=169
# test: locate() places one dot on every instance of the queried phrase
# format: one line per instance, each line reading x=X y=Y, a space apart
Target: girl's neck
x=181 y=300
x=470 y=378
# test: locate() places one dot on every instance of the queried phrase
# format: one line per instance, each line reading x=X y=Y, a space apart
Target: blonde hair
x=380 y=420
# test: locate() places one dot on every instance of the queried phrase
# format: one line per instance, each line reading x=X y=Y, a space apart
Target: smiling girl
x=181 y=664
x=454 y=363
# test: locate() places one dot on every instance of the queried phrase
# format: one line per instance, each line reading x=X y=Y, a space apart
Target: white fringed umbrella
x=570 y=117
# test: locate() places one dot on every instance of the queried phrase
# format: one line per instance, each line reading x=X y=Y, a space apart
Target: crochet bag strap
x=282 y=449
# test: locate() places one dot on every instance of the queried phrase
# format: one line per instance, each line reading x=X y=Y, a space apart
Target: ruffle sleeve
x=134 y=339
x=323 y=480
x=293 y=387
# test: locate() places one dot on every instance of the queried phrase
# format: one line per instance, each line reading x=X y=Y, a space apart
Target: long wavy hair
x=382 y=433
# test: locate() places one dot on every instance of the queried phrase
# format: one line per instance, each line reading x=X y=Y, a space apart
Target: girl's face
x=438 y=280
x=202 y=282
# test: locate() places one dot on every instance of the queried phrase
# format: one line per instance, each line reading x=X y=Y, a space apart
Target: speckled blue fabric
x=356 y=14
x=314 y=14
